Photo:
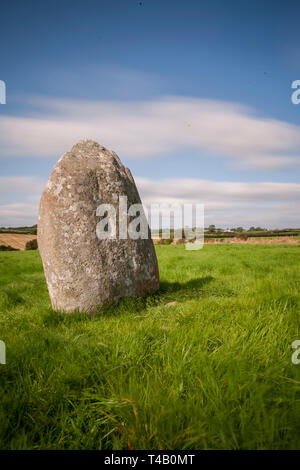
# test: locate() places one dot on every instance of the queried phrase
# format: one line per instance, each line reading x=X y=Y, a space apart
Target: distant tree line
x=25 y=230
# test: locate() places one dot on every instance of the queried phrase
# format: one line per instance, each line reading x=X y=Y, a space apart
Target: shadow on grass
x=126 y=305
x=181 y=290
x=130 y=305
x=193 y=284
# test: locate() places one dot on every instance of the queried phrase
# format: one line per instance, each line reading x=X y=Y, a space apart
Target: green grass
x=213 y=371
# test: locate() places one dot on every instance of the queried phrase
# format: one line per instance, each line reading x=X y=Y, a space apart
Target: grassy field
x=212 y=371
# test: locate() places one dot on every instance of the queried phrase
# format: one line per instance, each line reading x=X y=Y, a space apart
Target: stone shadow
x=166 y=286
x=167 y=291
x=192 y=286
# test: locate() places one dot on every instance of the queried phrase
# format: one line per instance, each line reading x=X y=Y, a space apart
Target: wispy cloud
x=26 y=185
x=145 y=129
x=229 y=204
x=18 y=214
x=21 y=195
x=225 y=193
x=226 y=203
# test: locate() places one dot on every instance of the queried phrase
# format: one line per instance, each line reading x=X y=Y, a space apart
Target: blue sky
x=193 y=95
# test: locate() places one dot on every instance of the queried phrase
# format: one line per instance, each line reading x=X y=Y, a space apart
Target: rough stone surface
x=83 y=271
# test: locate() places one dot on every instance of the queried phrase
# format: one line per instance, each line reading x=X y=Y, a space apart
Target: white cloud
x=143 y=129
x=21 y=195
x=226 y=193
x=18 y=214
x=20 y=184
x=226 y=203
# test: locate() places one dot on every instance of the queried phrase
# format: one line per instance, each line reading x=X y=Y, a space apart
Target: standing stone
x=83 y=271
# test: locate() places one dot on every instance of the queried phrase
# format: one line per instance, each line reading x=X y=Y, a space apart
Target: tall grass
x=212 y=371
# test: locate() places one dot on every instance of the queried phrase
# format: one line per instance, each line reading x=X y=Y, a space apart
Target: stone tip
x=89 y=142
x=86 y=141
x=88 y=146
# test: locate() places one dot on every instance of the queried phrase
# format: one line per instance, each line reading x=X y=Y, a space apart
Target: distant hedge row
x=7 y=248
x=273 y=233
x=251 y=234
x=23 y=230
x=31 y=245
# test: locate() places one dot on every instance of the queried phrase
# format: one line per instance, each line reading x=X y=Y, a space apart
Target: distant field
x=212 y=371
x=16 y=240
x=229 y=235
x=18 y=237
x=287 y=240
x=19 y=240
x=251 y=240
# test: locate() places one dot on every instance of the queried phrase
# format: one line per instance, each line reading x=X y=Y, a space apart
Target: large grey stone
x=83 y=271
